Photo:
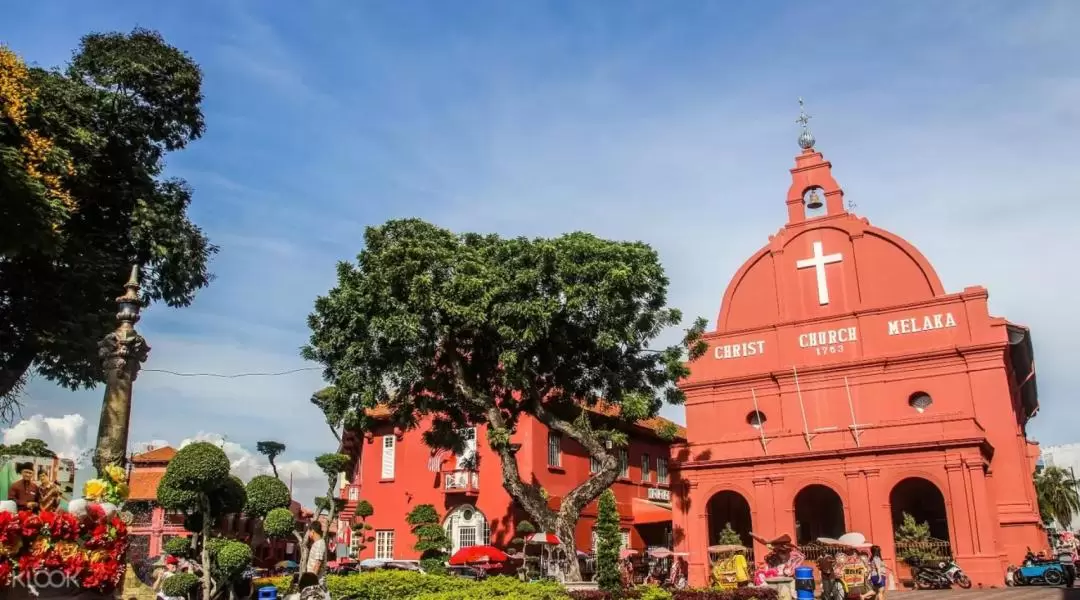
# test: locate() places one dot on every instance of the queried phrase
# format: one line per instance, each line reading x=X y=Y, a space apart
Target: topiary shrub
x=502 y=588
x=279 y=523
x=264 y=494
x=233 y=558
x=432 y=542
x=180 y=585
x=178 y=546
x=199 y=466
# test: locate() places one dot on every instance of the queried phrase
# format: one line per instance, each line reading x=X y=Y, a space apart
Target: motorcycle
x=1037 y=570
x=940 y=577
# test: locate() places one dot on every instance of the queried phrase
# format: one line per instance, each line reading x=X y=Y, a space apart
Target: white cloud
x=67 y=436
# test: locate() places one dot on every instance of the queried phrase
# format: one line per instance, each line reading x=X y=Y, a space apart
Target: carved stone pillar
x=122 y=353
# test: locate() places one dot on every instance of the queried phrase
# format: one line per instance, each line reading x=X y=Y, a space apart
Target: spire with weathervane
x=806 y=139
x=813 y=192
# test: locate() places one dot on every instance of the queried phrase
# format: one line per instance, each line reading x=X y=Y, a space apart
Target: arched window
x=467 y=527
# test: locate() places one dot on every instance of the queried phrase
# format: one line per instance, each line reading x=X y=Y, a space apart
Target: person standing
x=877 y=575
x=1068 y=563
x=25 y=492
x=48 y=492
x=316 y=560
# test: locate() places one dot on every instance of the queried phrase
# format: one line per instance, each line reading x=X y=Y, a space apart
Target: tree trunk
x=274 y=467
x=205 y=507
x=300 y=543
x=12 y=372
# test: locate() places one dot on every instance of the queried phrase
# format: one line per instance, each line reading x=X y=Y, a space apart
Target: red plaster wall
x=414 y=484
x=837 y=412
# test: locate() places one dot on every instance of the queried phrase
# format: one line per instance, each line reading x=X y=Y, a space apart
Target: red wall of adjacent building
x=414 y=484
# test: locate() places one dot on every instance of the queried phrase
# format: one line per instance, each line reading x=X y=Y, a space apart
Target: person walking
x=877 y=575
x=1068 y=563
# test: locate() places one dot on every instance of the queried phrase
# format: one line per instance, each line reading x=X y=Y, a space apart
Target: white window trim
x=384 y=550
x=389 y=443
x=624 y=463
x=646 y=470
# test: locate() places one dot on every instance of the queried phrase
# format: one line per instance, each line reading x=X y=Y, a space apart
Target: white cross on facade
x=818 y=262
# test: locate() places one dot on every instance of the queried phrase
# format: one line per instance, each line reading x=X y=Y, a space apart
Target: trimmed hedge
x=282 y=583
x=410 y=585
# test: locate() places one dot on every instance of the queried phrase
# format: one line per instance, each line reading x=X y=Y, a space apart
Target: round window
x=467 y=515
x=920 y=401
x=755 y=419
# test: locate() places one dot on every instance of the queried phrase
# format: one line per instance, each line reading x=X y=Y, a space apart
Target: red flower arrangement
x=90 y=550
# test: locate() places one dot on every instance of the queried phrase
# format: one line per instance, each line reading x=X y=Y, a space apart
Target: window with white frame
x=595 y=540
x=384 y=544
x=594 y=465
x=624 y=463
x=661 y=469
x=466 y=526
x=354 y=493
x=354 y=543
x=625 y=533
x=646 y=474
x=388 y=443
x=554 y=449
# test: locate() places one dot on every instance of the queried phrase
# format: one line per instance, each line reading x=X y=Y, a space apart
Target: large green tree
x=478 y=329
x=83 y=198
x=271 y=450
x=1056 y=490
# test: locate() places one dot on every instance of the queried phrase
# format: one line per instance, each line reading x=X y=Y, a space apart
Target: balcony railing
x=461 y=481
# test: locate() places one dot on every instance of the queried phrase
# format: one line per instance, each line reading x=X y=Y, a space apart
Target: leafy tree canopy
x=271 y=450
x=1056 y=490
x=27 y=447
x=476 y=328
x=82 y=152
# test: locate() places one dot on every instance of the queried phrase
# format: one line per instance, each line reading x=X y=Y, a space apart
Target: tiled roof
x=654 y=424
x=144 y=484
x=163 y=454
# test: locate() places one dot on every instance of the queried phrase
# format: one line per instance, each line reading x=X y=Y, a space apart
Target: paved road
x=1015 y=593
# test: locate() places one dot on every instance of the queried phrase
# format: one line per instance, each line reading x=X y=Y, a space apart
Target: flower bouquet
x=81 y=549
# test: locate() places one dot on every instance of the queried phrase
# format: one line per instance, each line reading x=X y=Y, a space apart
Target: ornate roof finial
x=806 y=139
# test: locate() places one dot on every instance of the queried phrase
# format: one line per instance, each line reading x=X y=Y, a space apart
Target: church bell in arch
x=813 y=202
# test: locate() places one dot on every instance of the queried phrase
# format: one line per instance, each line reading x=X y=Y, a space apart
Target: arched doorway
x=466 y=527
x=819 y=512
x=728 y=507
x=921 y=499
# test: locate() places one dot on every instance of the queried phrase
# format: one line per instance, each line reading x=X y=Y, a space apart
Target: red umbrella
x=478 y=554
x=549 y=539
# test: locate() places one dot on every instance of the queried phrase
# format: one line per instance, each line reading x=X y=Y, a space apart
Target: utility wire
x=232 y=375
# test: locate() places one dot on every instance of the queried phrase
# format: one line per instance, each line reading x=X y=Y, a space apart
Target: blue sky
x=953 y=124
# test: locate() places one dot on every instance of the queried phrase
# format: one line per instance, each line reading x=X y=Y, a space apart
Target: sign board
x=660 y=494
x=54 y=477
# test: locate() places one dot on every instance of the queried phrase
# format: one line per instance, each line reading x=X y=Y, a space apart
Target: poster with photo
x=53 y=477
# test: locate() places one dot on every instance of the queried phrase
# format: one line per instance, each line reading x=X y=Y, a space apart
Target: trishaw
x=844 y=567
x=729 y=567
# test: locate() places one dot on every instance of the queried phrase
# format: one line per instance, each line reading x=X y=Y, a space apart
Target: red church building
x=853 y=389
x=395 y=471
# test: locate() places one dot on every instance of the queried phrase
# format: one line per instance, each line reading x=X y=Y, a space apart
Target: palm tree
x=1058 y=499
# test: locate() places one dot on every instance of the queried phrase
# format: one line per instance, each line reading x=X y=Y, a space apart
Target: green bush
x=390 y=585
x=279 y=523
x=233 y=558
x=264 y=494
x=180 y=585
x=282 y=584
x=653 y=592
x=402 y=585
x=502 y=587
x=178 y=546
